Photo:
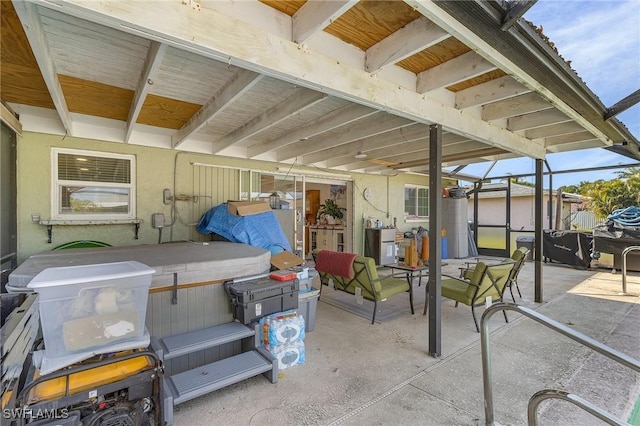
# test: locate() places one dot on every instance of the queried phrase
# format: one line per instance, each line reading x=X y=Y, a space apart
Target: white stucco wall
x=492 y=211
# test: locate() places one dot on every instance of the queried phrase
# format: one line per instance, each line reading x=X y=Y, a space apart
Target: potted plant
x=331 y=211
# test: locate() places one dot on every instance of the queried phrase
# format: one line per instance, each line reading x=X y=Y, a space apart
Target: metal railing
x=587 y=341
x=624 y=266
x=538 y=397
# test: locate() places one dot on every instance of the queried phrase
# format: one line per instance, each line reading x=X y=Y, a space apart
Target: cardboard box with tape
x=246 y=208
x=285 y=260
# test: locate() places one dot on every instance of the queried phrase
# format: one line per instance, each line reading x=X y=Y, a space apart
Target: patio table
x=411 y=271
x=415 y=272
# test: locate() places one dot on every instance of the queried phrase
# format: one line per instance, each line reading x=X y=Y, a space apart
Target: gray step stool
x=182 y=387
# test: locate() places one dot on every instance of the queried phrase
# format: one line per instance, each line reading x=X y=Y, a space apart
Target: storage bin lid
x=525 y=239
x=308 y=294
x=67 y=275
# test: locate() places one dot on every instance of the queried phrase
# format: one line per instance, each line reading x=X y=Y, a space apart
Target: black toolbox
x=254 y=298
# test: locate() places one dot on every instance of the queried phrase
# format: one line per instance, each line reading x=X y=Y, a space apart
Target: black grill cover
x=568 y=247
x=612 y=239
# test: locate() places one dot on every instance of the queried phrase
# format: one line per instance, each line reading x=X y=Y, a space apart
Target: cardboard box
x=246 y=208
x=286 y=260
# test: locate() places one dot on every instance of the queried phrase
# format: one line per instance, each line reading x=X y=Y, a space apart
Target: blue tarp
x=260 y=230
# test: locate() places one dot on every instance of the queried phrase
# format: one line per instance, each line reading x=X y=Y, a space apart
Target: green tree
x=571 y=189
x=522 y=182
x=607 y=196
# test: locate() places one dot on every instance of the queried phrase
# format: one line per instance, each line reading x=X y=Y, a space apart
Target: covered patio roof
x=310 y=82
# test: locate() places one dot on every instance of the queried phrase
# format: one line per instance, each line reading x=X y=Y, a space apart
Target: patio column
x=435 y=237
x=537 y=250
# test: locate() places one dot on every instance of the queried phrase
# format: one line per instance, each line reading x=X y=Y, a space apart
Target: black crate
x=260 y=288
x=251 y=300
x=252 y=311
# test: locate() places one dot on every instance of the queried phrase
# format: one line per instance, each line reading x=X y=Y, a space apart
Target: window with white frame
x=90 y=185
x=416 y=202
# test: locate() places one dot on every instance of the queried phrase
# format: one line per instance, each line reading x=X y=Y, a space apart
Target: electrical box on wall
x=166 y=196
x=157 y=220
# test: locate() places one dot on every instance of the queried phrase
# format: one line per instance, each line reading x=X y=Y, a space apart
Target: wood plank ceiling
x=408 y=65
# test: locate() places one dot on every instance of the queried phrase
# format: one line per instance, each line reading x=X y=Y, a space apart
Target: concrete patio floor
x=357 y=373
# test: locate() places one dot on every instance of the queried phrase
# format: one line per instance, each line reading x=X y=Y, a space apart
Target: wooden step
x=208 y=378
x=186 y=343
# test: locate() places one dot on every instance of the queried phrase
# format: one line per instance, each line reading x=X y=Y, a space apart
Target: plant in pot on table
x=331 y=212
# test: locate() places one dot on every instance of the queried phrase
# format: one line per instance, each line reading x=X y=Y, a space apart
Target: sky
x=601 y=38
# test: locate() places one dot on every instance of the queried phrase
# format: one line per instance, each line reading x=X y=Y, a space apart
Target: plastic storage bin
x=306 y=284
x=307 y=305
x=92 y=308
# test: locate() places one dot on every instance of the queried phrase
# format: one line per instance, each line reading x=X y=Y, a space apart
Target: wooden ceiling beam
x=298 y=102
x=472 y=149
x=414 y=37
x=472 y=24
x=364 y=166
x=569 y=138
x=214 y=35
x=369 y=167
x=380 y=152
x=554 y=130
x=241 y=82
x=464 y=67
x=449 y=149
x=404 y=134
x=389 y=153
x=536 y=119
x=315 y=16
x=333 y=120
x=152 y=64
x=519 y=105
x=573 y=146
x=380 y=123
x=453 y=139
x=390 y=160
x=491 y=91
x=458 y=156
x=485 y=158
x=30 y=20
x=384 y=153
x=9 y=118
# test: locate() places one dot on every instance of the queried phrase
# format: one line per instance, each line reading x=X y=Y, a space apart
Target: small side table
x=411 y=271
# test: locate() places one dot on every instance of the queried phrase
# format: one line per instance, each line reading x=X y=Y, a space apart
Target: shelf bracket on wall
x=50 y=223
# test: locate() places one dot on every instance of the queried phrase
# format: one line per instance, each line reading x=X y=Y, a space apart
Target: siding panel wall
x=212 y=186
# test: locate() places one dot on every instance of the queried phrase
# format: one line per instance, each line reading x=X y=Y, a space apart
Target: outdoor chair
x=361 y=278
x=485 y=281
x=519 y=256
